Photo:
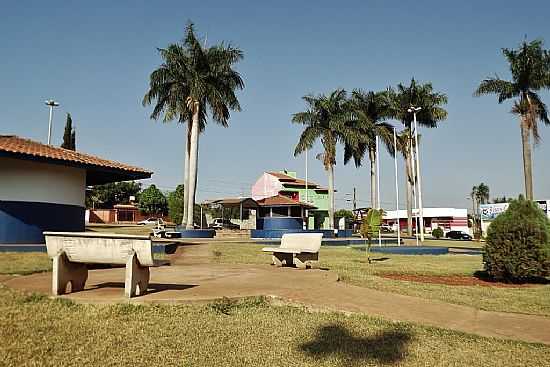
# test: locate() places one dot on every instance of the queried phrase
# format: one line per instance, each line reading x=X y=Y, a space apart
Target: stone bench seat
x=297 y=249
x=73 y=251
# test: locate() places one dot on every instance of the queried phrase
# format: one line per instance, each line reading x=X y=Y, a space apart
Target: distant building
x=448 y=219
x=42 y=187
x=285 y=183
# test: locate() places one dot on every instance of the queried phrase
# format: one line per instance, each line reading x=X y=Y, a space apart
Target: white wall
x=29 y=181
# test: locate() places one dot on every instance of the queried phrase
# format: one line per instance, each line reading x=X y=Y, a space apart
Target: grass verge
x=53 y=332
x=353 y=268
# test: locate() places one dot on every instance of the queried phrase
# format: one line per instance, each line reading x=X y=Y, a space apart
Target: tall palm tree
x=192 y=81
x=326 y=119
x=530 y=68
x=432 y=112
x=482 y=193
x=369 y=110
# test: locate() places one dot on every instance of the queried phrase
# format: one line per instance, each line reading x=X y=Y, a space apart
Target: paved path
x=193 y=278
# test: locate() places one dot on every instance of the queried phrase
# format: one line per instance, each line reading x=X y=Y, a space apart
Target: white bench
x=71 y=251
x=300 y=249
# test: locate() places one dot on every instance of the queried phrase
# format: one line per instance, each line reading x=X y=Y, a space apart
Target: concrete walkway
x=193 y=278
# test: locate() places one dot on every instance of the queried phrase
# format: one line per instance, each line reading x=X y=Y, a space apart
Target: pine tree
x=73 y=140
x=68 y=133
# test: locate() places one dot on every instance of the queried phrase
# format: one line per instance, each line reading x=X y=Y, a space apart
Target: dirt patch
x=456 y=280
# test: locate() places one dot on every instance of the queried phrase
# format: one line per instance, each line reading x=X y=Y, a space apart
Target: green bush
x=518 y=247
x=437 y=232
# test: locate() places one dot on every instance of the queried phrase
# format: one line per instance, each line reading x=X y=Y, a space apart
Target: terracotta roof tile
x=20 y=146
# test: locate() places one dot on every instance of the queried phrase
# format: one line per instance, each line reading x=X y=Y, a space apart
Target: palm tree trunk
x=372 y=158
x=186 y=176
x=527 y=163
x=193 y=164
x=331 y=196
x=409 y=196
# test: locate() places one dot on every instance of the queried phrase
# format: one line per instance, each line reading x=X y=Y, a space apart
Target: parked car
x=458 y=235
x=220 y=223
x=386 y=228
x=151 y=220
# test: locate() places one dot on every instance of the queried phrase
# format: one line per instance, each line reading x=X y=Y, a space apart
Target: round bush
x=518 y=247
x=437 y=233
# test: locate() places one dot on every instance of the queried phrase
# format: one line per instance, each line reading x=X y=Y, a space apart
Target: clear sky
x=95 y=58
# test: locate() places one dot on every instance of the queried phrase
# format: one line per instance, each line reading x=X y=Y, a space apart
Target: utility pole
x=354 y=200
x=51 y=103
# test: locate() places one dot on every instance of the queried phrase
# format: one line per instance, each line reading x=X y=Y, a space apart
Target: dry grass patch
x=24 y=263
x=45 y=332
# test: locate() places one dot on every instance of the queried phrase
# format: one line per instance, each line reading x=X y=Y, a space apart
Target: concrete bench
x=300 y=249
x=72 y=251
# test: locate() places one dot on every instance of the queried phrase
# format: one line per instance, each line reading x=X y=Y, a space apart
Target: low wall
x=278 y=233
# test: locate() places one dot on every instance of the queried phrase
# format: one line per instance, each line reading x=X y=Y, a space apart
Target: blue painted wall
x=24 y=222
x=277 y=223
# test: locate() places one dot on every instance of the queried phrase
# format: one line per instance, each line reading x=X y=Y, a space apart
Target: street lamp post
x=414 y=110
x=51 y=103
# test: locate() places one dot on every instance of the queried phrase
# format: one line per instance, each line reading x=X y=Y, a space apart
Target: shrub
x=437 y=232
x=518 y=247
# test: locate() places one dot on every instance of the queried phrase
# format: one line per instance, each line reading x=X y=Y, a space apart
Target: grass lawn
x=24 y=262
x=353 y=268
x=37 y=331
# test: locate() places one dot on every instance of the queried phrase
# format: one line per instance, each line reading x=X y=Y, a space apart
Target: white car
x=151 y=220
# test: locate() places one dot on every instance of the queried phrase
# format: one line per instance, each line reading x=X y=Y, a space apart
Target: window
x=296 y=211
x=280 y=211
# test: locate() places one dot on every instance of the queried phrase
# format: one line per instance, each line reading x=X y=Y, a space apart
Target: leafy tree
x=108 y=195
x=518 y=243
x=370 y=228
x=176 y=201
x=69 y=135
x=431 y=113
x=530 y=68
x=191 y=81
x=369 y=110
x=326 y=119
x=152 y=201
x=344 y=213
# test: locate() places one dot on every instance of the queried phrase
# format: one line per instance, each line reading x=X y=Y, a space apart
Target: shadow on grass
x=484 y=276
x=387 y=347
x=152 y=288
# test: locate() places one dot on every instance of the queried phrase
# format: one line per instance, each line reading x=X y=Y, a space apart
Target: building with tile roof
x=43 y=187
x=285 y=183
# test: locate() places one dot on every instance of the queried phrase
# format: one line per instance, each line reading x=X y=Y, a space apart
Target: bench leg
x=306 y=259
x=279 y=259
x=137 y=277
x=65 y=272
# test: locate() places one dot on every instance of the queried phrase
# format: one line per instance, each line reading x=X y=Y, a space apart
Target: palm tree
x=530 y=68
x=432 y=112
x=192 y=81
x=369 y=112
x=326 y=119
x=482 y=193
x=478 y=195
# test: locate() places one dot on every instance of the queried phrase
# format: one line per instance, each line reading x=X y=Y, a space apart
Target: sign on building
x=491 y=211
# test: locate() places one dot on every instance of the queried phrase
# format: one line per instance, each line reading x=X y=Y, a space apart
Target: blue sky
x=95 y=58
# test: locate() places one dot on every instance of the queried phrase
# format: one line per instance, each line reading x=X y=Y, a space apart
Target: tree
x=152 y=201
x=503 y=199
x=479 y=195
x=370 y=227
x=530 y=68
x=518 y=243
x=69 y=135
x=175 y=204
x=105 y=196
x=431 y=113
x=326 y=119
x=192 y=81
x=369 y=110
